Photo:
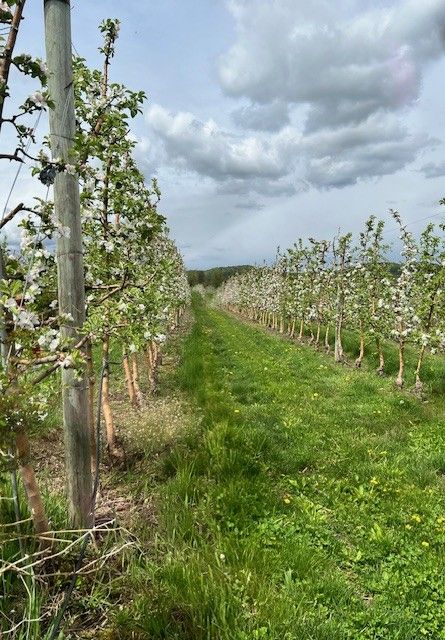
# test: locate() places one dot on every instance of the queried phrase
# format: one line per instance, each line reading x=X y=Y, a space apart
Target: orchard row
x=324 y=286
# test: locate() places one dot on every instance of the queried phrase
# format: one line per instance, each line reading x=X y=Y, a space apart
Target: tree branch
x=5 y=61
x=11 y=214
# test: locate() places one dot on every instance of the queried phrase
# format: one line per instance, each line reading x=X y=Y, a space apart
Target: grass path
x=309 y=504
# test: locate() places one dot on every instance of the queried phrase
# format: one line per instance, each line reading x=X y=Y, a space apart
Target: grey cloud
x=249 y=205
x=380 y=146
x=287 y=162
x=433 y=170
x=334 y=113
x=268 y=117
x=344 y=67
x=377 y=128
x=210 y=151
x=268 y=188
x=379 y=158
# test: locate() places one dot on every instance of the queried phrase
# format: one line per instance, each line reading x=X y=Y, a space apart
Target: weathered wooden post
x=69 y=256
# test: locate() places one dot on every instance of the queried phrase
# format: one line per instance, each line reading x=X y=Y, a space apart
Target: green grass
x=305 y=501
x=309 y=505
x=22 y=597
x=432 y=371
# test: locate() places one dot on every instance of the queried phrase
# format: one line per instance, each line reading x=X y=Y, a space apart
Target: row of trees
x=135 y=282
x=323 y=286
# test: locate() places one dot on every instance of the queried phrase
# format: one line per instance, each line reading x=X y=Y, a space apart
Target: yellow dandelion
x=416 y=518
x=424 y=543
x=374 y=481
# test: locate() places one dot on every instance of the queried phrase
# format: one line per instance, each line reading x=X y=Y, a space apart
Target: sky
x=269 y=120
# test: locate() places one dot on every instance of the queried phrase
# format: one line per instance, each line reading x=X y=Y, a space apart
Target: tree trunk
x=148 y=357
x=399 y=379
x=317 y=337
x=326 y=340
x=33 y=496
x=8 y=49
x=91 y=382
x=419 y=384
x=300 y=335
x=312 y=338
x=129 y=380
x=292 y=331
x=381 y=367
x=361 y=355
x=106 y=407
x=137 y=389
x=152 y=373
x=338 y=347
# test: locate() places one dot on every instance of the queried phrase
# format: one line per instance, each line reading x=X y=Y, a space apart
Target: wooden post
x=69 y=256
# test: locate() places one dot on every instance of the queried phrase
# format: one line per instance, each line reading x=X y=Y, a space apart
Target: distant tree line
x=215 y=277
